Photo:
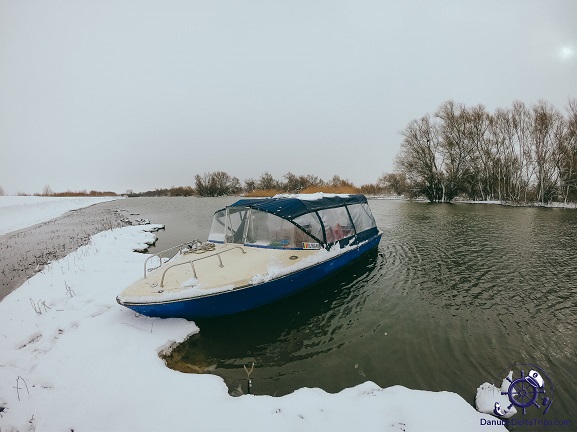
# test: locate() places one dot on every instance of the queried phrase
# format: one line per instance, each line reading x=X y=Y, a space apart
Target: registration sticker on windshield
x=310 y=245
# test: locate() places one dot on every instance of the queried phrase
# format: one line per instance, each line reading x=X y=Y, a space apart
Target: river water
x=453 y=296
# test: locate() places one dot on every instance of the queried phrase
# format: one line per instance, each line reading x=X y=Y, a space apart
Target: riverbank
x=37 y=230
x=559 y=205
x=75 y=360
x=18 y=212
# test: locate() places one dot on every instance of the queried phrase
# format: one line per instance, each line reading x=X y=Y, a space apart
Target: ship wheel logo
x=528 y=390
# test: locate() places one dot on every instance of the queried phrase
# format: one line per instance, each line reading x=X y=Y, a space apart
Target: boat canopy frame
x=342 y=219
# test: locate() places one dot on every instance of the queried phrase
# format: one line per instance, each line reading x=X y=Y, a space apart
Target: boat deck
x=227 y=267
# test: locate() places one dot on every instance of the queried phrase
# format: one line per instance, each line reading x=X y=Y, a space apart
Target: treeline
x=518 y=154
x=220 y=183
x=48 y=192
x=91 y=193
x=169 y=192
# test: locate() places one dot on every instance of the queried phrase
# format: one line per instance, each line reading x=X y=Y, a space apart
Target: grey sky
x=117 y=95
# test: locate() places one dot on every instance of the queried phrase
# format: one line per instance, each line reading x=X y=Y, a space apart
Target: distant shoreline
x=568 y=205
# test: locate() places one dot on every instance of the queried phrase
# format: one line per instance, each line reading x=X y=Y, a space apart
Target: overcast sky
x=143 y=94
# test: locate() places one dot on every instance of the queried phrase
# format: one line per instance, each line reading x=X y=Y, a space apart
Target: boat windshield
x=257 y=228
x=362 y=217
x=217 y=228
x=229 y=226
x=267 y=230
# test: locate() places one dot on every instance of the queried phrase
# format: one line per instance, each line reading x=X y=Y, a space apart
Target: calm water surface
x=453 y=296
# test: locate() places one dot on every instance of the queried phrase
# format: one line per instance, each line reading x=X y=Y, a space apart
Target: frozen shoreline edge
x=554 y=205
x=45 y=229
x=21 y=212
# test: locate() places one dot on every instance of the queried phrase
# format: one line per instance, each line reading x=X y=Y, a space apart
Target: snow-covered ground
x=71 y=358
x=17 y=212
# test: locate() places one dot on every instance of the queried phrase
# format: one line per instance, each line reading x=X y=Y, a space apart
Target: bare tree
x=420 y=159
x=267 y=182
x=567 y=148
x=249 y=185
x=292 y=183
x=547 y=125
x=522 y=126
x=392 y=183
x=311 y=180
x=337 y=181
x=456 y=146
x=517 y=154
x=295 y=184
x=508 y=159
x=482 y=164
x=216 y=184
x=226 y=184
x=47 y=191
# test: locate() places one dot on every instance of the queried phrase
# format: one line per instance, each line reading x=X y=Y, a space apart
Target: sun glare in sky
x=566 y=52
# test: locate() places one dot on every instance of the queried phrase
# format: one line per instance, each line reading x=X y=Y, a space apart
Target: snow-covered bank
x=71 y=358
x=17 y=212
x=557 y=205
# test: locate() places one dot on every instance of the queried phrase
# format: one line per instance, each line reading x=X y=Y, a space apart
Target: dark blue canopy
x=292 y=207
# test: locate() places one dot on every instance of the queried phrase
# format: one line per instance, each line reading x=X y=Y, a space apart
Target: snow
x=187 y=293
x=275 y=270
x=312 y=196
x=17 y=212
x=490 y=399
x=192 y=282
x=73 y=359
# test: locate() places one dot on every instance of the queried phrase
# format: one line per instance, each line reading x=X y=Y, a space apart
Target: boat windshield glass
x=236 y=223
x=268 y=230
x=337 y=224
x=229 y=226
x=311 y=224
x=362 y=217
x=217 y=227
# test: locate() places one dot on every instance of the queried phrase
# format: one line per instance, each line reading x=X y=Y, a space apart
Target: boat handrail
x=191 y=262
x=192 y=245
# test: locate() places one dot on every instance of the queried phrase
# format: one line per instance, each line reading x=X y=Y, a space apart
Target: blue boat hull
x=253 y=296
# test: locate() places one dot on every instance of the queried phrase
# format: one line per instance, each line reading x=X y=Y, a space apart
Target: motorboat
x=259 y=251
